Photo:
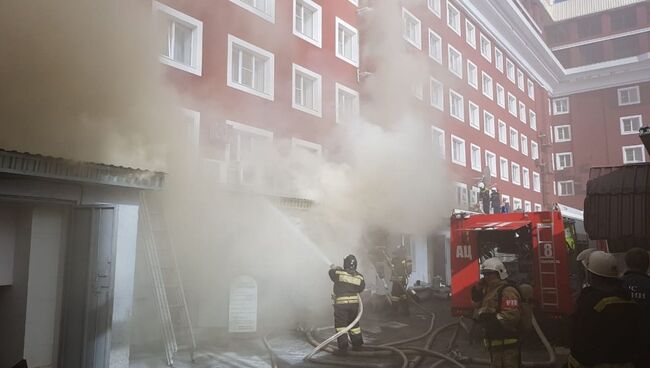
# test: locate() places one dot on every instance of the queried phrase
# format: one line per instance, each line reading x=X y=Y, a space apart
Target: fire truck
x=538 y=248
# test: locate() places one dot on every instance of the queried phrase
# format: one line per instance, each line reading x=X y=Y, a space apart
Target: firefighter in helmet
x=348 y=283
x=402 y=267
x=497 y=308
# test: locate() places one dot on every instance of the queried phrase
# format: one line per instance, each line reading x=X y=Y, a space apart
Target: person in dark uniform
x=401 y=270
x=637 y=283
x=348 y=283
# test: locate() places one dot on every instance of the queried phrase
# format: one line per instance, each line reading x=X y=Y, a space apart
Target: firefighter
x=348 y=283
x=402 y=267
x=605 y=326
x=499 y=318
x=637 y=283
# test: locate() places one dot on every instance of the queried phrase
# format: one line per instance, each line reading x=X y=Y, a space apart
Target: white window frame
x=317 y=19
x=316 y=148
x=528 y=207
x=501 y=96
x=440 y=105
x=462 y=161
x=486 y=53
x=504 y=174
x=463 y=202
x=418 y=36
x=639 y=147
x=474 y=119
x=510 y=70
x=515 y=173
x=556 y=101
x=455 y=29
x=520 y=80
x=524 y=144
x=452 y=50
x=505 y=199
x=488 y=124
x=628 y=132
x=491 y=162
x=531 y=89
x=522 y=112
x=435 y=57
x=341 y=88
x=441 y=142
x=633 y=88
x=338 y=23
x=435 y=7
x=490 y=94
x=194 y=130
x=354 y=2
x=559 y=166
x=525 y=177
x=516 y=204
x=514 y=142
x=532 y=118
x=196 y=54
x=264 y=135
x=565 y=193
x=318 y=90
x=534 y=150
x=475 y=161
x=498 y=59
x=556 y=135
x=470 y=33
x=268 y=16
x=418 y=90
x=537 y=182
x=538 y=207
x=460 y=117
x=472 y=74
x=503 y=134
x=512 y=104
x=269 y=66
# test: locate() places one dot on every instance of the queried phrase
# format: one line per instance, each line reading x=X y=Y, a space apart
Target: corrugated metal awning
x=502 y=225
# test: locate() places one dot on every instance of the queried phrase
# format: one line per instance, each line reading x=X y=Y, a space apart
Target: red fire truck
x=537 y=248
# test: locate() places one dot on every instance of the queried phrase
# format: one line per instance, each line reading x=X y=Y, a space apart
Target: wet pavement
x=290 y=347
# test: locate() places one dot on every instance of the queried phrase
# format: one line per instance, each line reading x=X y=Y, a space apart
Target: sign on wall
x=242 y=312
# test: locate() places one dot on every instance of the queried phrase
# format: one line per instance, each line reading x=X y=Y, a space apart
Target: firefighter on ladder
x=348 y=283
x=401 y=270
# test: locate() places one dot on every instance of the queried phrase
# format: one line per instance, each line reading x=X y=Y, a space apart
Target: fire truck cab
x=534 y=247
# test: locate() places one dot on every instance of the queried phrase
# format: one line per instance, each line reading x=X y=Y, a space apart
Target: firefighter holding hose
x=497 y=303
x=348 y=283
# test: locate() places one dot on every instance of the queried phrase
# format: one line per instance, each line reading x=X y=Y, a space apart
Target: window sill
x=175 y=64
x=251 y=91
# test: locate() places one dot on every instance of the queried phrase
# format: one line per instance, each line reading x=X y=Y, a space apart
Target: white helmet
x=495 y=264
x=603 y=264
x=583 y=256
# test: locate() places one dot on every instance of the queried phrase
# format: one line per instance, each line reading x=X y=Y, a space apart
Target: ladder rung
x=549 y=289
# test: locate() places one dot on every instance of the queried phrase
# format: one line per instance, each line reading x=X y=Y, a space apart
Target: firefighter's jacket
x=402 y=268
x=605 y=328
x=638 y=286
x=499 y=318
x=347 y=284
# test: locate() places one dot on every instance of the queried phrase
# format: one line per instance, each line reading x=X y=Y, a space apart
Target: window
x=531 y=89
x=418 y=90
x=193 y=128
x=491 y=163
x=347 y=104
x=533 y=120
x=633 y=154
x=510 y=70
x=525 y=176
x=307 y=21
x=435 y=46
x=306 y=147
x=524 y=145
x=474 y=116
x=455 y=61
x=250 y=68
x=628 y=96
x=488 y=123
x=473 y=197
x=472 y=74
x=354 y=2
x=512 y=104
x=437 y=94
x=475 y=157
x=563 y=160
x=631 y=124
x=434 y=6
x=505 y=199
x=516 y=204
x=245 y=145
x=183 y=46
x=470 y=33
x=565 y=188
x=411 y=28
x=347 y=42
x=461 y=195
x=514 y=139
x=498 y=59
x=458 y=151
x=487 y=86
x=516 y=173
x=486 y=48
x=520 y=79
x=562 y=133
x=307 y=89
x=537 y=185
x=501 y=96
x=522 y=112
x=560 y=106
x=262 y=8
x=438 y=141
x=527 y=206
x=538 y=207
x=503 y=169
x=456 y=105
x=453 y=18
x=503 y=132
x=534 y=150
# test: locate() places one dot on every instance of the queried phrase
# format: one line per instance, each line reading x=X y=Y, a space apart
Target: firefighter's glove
x=477 y=294
x=489 y=321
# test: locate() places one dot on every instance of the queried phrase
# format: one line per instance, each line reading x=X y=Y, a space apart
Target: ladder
x=547 y=266
x=168 y=288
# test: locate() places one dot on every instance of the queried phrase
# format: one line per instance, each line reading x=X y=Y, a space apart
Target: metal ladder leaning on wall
x=168 y=287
